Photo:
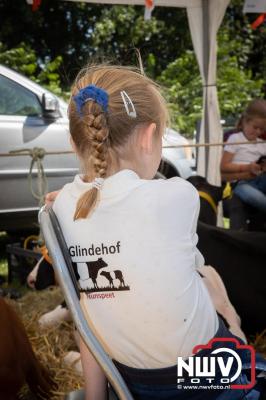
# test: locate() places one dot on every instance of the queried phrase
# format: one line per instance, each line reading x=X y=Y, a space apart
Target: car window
x=17 y=100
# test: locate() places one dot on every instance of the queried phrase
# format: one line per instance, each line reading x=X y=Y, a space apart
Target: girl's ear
x=73 y=144
x=147 y=137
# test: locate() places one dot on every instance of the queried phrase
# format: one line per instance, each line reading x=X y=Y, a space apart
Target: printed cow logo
x=217 y=366
x=97 y=275
x=92 y=279
x=110 y=277
x=93 y=269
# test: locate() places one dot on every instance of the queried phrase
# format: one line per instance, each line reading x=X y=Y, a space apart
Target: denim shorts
x=161 y=384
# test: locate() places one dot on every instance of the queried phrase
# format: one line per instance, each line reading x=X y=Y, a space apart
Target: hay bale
x=52 y=344
x=259 y=343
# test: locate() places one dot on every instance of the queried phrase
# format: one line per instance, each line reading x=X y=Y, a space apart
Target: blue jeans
x=253 y=192
x=170 y=392
x=159 y=393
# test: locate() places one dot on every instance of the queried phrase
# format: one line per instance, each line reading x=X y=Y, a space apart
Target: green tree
x=57 y=29
x=21 y=59
x=160 y=40
x=82 y=32
x=24 y=60
x=236 y=84
x=62 y=36
x=251 y=43
x=183 y=89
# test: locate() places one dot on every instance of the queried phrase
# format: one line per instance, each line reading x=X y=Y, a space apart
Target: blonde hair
x=95 y=132
x=255 y=109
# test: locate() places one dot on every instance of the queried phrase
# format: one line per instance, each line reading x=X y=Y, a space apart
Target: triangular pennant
x=258 y=21
x=36 y=4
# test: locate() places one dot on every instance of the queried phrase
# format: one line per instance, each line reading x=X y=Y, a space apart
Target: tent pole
x=206 y=57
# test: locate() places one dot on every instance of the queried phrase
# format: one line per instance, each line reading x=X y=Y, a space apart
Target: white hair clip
x=129 y=106
x=97 y=183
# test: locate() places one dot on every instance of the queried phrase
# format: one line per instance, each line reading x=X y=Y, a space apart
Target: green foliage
x=182 y=86
x=50 y=45
x=251 y=41
x=21 y=59
x=120 y=30
x=235 y=84
x=84 y=32
x=24 y=60
x=49 y=77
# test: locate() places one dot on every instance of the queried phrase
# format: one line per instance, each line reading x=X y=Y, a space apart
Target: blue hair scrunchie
x=91 y=92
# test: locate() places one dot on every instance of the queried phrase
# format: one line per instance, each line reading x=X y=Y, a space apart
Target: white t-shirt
x=244 y=153
x=137 y=260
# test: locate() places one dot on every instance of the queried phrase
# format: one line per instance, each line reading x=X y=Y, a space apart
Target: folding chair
x=62 y=264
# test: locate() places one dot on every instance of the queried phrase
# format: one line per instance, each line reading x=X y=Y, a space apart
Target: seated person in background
x=243 y=163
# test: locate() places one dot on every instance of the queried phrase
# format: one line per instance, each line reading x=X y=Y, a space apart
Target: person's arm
x=236 y=176
x=199 y=259
x=235 y=171
x=228 y=166
x=51 y=196
x=95 y=380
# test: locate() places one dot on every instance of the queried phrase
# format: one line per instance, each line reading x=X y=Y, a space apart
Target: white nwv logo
x=196 y=366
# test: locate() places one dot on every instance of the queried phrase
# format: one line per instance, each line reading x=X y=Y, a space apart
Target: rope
x=211 y=144
x=37 y=154
x=14 y=153
x=48 y=153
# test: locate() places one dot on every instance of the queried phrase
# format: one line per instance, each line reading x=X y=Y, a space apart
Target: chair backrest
x=62 y=265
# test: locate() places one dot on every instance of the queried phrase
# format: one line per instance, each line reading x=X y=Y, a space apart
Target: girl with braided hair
x=150 y=305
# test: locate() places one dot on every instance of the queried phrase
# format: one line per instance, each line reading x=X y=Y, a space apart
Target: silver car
x=32 y=117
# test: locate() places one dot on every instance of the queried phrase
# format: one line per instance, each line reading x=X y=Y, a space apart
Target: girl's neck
x=119 y=161
x=122 y=166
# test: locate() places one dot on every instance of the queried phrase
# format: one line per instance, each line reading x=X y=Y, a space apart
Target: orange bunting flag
x=258 y=21
x=149 y=3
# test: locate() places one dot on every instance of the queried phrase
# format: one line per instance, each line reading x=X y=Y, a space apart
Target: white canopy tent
x=205 y=17
x=204 y=22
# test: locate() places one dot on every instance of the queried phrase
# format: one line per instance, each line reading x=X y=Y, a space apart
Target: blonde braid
x=98 y=137
x=99 y=140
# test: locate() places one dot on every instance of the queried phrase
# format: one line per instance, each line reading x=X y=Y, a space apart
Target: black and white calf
x=111 y=276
